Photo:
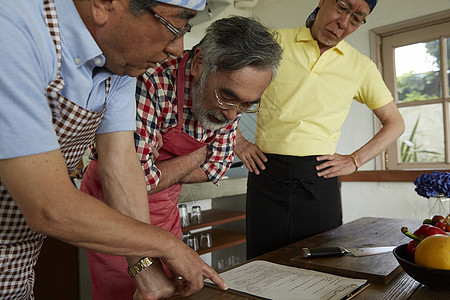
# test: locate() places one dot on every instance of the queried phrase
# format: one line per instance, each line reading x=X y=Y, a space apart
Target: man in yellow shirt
x=292 y=184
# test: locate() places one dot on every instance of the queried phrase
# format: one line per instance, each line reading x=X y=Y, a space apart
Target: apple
x=441 y=225
x=437 y=219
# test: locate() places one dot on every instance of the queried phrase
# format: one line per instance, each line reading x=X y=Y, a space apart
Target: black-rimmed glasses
x=176 y=31
x=241 y=108
x=356 y=19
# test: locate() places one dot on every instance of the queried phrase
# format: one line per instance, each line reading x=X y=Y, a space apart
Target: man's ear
x=197 y=63
x=102 y=9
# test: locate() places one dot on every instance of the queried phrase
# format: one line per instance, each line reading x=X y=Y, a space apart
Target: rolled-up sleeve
x=144 y=136
x=221 y=152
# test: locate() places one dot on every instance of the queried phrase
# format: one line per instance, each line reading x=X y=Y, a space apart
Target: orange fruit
x=434 y=252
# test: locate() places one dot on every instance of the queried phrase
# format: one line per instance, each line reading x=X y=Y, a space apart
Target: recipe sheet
x=273 y=281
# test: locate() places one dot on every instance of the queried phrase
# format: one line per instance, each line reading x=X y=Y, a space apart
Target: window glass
x=448 y=64
x=414 y=59
x=423 y=139
x=417 y=70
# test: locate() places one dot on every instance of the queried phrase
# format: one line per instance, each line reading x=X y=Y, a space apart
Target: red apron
x=176 y=142
x=108 y=273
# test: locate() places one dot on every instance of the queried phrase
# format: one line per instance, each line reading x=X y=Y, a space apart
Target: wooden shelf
x=220 y=239
x=212 y=217
x=384 y=176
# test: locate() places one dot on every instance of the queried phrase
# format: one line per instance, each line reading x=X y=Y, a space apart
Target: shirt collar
x=304 y=35
x=75 y=36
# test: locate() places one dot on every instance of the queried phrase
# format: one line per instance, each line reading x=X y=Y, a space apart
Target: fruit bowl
x=433 y=278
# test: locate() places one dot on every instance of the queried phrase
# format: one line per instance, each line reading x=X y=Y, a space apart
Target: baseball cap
x=372 y=4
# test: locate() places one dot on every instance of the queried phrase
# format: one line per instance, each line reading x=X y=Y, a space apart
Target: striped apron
x=75 y=128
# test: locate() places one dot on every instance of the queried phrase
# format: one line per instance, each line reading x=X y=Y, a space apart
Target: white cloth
x=192 y=4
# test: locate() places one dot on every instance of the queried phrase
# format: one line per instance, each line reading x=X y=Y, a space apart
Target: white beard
x=202 y=114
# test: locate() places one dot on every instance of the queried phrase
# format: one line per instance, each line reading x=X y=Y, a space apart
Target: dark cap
x=372 y=4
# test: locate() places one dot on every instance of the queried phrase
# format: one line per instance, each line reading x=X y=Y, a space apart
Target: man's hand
x=250 y=154
x=335 y=165
x=393 y=127
x=185 y=262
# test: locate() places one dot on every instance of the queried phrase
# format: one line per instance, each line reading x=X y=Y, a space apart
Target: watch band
x=140 y=266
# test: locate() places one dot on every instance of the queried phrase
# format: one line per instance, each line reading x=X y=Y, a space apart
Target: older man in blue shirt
x=65 y=79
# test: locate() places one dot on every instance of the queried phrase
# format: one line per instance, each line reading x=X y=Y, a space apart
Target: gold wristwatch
x=140 y=266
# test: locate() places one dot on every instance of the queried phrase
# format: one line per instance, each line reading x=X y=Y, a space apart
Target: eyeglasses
x=356 y=19
x=176 y=31
x=241 y=108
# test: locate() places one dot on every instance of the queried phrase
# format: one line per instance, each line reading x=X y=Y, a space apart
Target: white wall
x=219 y=10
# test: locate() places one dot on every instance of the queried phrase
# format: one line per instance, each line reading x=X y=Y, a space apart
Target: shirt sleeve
x=373 y=92
x=146 y=126
x=221 y=152
x=28 y=66
x=120 y=113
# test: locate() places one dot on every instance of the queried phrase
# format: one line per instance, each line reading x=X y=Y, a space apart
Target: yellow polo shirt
x=303 y=109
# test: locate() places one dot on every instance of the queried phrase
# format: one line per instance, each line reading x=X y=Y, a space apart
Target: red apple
x=441 y=225
x=437 y=219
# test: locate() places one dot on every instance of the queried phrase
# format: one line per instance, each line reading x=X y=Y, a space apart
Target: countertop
x=364 y=231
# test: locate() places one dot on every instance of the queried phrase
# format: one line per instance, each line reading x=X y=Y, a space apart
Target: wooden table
x=362 y=232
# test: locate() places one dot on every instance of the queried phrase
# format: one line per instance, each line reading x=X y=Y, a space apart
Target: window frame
x=383 y=42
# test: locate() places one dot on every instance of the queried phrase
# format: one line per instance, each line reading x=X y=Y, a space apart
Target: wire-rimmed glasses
x=241 y=108
x=356 y=19
x=176 y=31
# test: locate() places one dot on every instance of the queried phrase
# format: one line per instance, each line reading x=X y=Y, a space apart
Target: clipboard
x=266 y=280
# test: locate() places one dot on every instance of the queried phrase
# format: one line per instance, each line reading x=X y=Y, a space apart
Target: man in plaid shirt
x=188 y=110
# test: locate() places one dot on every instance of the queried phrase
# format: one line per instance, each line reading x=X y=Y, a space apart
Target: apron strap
x=180 y=90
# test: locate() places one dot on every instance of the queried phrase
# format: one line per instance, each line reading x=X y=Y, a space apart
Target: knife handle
x=323 y=251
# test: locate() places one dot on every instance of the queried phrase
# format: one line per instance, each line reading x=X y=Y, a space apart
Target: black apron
x=288 y=202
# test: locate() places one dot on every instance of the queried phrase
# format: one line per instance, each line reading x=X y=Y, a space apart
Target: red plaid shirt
x=157 y=110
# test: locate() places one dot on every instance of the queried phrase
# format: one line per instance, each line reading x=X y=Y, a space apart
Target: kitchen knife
x=338 y=251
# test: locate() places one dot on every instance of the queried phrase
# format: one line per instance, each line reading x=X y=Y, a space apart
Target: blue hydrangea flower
x=444 y=184
x=433 y=185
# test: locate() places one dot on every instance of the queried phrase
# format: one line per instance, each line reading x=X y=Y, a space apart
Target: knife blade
x=339 y=251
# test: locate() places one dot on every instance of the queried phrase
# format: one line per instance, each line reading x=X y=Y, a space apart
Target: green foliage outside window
x=411 y=151
x=420 y=87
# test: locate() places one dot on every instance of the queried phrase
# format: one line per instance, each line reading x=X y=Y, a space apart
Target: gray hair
x=236 y=42
x=138 y=7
